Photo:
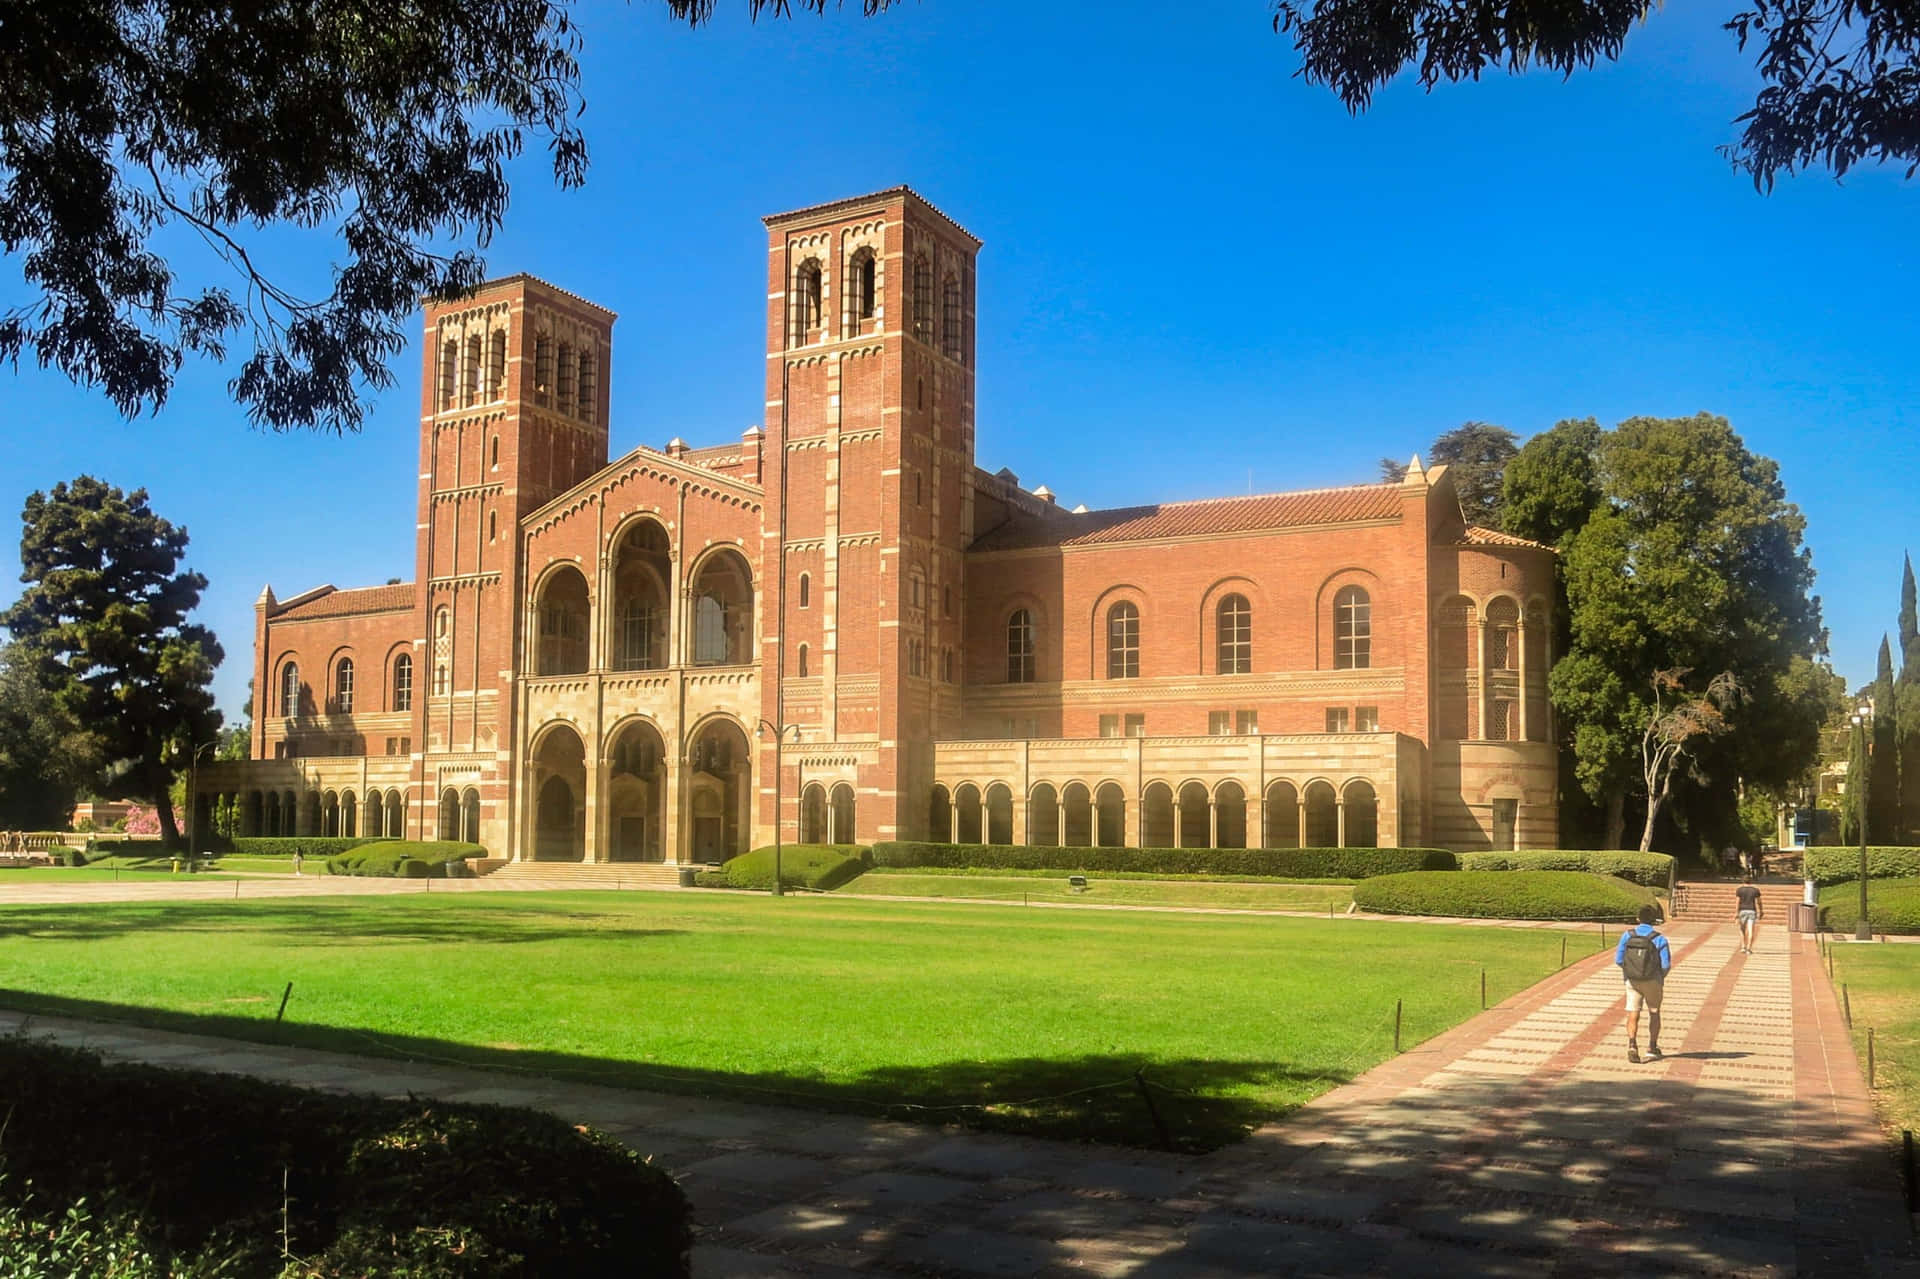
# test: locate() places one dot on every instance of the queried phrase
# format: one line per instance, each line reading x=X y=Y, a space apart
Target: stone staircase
x=611 y=875
x=1713 y=900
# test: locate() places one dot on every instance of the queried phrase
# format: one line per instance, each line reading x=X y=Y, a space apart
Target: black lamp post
x=779 y=732
x=1862 y=720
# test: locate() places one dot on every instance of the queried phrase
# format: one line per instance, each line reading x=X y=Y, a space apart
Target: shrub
x=71 y=857
x=1504 y=894
x=713 y=879
x=1342 y=864
x=188 y=1167
x=822 y=867
x=388 y=858
x=1650 y=869
x=1841 y=865
x=1893 y=905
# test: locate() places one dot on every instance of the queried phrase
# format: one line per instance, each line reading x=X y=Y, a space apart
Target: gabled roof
x=1360 y=503
x=332 y=603
x=1490 y=537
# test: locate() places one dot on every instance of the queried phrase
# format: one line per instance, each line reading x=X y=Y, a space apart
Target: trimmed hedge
x=1650 y=869
x=1838 y=865
x=821 y=867
x=408 y=859
x=1341 y=864
x=1893 y=905
x=1504 y=894
x=187 y=1168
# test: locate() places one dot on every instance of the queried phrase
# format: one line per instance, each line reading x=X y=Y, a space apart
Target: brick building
x=594 y=656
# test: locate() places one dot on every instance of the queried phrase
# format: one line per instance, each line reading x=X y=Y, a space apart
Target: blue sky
x=1200 y=274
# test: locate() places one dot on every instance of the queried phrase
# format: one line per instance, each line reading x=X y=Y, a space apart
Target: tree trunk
x=1654 y=804
x=163 y=809
x=1616 y=818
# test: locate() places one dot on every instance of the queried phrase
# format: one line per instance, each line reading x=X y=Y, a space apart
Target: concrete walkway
x=1521 y=1143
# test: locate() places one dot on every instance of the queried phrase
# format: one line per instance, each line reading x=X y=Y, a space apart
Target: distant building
x=588 y=666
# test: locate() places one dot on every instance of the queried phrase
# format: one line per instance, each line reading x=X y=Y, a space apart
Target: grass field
x=1883 y=986
x=1029 y=1020
x=1052 y=887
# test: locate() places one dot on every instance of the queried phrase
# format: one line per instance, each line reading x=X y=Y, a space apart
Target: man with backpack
x=1645 y=959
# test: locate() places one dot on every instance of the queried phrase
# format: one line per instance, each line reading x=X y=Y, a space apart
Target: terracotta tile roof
x=1490 y=537
x=1190 y=519
x=365 y=599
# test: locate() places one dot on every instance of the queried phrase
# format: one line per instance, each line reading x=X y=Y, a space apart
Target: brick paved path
x=1520 y=1143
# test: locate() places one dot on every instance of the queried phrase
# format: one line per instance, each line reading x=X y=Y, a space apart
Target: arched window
x=403 y=682
x=946 y=665
x=861 y=279
x=1020 y=647
x=494 y=453
x=587 y=395
x=442 y=682
x=1123 y=641
x=920 y=393
x=343 y=687
x=471 y=374
x=803 y=661
x=806 y=300
x=950 y=334
x=290 y=690
x=542 y=368
x=923 y=299
x=1352 y=630
x=1233 y=629
x=564 y=377
x=493 y=526
x=1503 y=648
x=442 y=620
x=497 y=376
x=449 y=366
x=806 y=591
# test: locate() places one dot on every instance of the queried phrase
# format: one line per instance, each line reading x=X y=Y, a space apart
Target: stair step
x=1718 y=898
x=590 y=874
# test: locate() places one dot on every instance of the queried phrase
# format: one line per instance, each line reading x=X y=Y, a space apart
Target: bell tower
x=514 y=406
x=869 y=445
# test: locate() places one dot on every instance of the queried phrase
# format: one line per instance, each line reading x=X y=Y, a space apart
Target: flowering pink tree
x=143 y=819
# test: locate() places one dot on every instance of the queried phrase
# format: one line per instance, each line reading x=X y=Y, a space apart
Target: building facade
x=602 y=661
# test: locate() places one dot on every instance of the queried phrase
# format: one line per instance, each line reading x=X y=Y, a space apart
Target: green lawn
x=1883 y=985
x=929 y=1011
x=1052 y=886
x=93 y=874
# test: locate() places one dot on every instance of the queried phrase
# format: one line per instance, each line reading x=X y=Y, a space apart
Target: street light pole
x=193 y=798
x=1862 y=718
x=779 y=732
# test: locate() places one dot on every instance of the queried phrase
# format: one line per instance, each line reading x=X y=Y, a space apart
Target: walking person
x=1645 y=959
x=1747 y=910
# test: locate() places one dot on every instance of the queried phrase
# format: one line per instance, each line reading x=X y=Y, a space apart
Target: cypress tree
x=1906 y=708
x=1883 y=782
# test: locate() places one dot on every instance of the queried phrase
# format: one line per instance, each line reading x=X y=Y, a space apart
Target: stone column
x=1213 y=823
x=1520 y=637
x=953 y=817
x=1480 y=639
x=673 y=848
x=1300 y=831
x=596 y=817
x=1340 y=821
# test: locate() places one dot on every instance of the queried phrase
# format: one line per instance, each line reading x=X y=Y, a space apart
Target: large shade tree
x=386 y=126
x=45 y=757
x=1839 y=79
x=103 y=624
x=1476 y=455
x=1678 y=550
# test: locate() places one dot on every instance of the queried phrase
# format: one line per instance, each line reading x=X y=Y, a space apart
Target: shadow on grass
x=1197 y=1104
x=315 y=922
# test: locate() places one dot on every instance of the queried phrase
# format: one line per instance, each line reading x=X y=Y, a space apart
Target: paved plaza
x=1520 y=1143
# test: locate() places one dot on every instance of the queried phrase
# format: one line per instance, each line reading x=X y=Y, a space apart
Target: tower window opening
x=449 y=363
x=542 y=368
x=806 y=591
x=497 y=366
x=807 y=291
x=470 y=391
x=588 y=397
x=564 y=377
x=923 y=299
x=861 y=287
x=950 y=325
